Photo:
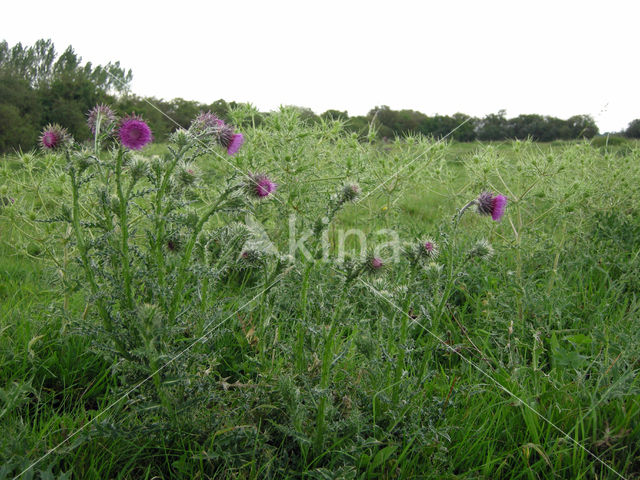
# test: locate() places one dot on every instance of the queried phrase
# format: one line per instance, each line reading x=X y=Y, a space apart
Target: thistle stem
x=186 y=259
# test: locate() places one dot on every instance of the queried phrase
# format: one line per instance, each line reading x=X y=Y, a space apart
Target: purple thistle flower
x=488 y=204
x=374 y=264
x=224 y=135
x=107 y=117
x=430 y=249
x=261 y=186
x=228 y=139
x=134 y=133
x=236 y=142
x=424 y=249
x=499 y=205
x=207 y=120
x=53 y=136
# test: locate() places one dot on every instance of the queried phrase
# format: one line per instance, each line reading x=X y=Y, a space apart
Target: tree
x=358 y=125
x=493 y=127
x=334 y=115
x=46 y=88
x=633 y=130
x=582 y=126
x=20 y=113
x=465 y=127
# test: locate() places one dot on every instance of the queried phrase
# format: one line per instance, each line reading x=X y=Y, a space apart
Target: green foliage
x=609 y=141
x=45 y=87
x=315 y=377
x=633 y=130
x=38 y=87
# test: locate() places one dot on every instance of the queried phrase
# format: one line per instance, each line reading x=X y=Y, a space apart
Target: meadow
x=157 y=320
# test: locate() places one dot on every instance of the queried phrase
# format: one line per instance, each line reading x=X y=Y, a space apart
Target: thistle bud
x=251 y=257
x=180 y=137
x=350 y=192
x=482 y=250
x=186 y=176
x=138 y=167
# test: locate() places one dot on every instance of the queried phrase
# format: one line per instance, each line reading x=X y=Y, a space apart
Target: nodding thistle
x=133 y=132
x=424 y=250
x=259 y=185
x=488 y=204
x=234 y=144
x=100 y=117
x=482 y=249
x=428 y=249
x=209 y=123
x=350 y=192
x=206 y=122
x=54 y=137
x=374 y=264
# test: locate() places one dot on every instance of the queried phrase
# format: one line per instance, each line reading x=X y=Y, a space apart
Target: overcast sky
x=556 y=58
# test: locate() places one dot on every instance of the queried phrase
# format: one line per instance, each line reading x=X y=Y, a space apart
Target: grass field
x=523 y=364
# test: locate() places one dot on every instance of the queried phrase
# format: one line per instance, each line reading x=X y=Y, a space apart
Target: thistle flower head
x=53 y=137
x=224 y=135
x=350 y=192
x=235 y=143
x=133 y=132
x=429 y=249
x=374 y=264
x=489 y=204
x=104 y=114
x=260 y=185
x=207 y=121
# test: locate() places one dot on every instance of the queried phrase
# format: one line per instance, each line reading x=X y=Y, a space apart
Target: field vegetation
x=160 y=319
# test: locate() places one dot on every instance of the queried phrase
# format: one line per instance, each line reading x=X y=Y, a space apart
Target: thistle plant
x=140 y=228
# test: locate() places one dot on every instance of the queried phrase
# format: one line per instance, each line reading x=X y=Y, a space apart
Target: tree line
x=38 y=86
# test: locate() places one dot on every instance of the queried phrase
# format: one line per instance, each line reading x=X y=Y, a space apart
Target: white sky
x=555 y=58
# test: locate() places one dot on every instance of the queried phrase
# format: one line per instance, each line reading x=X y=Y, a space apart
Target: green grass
x=306 y=383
